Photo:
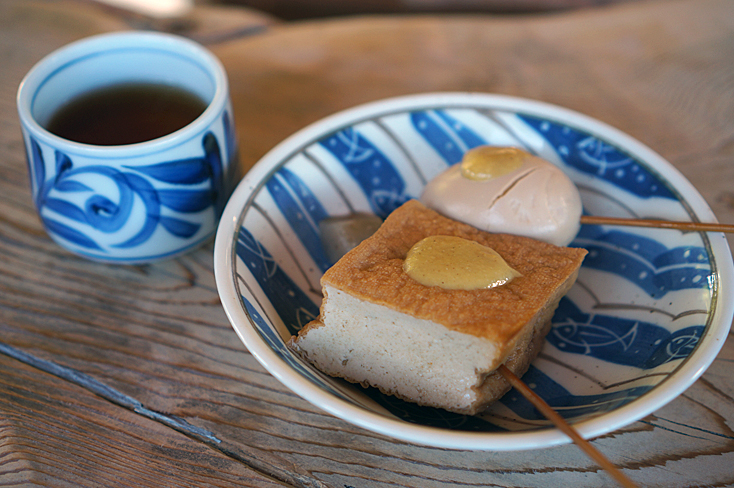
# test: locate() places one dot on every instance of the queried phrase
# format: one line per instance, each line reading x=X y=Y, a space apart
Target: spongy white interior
x=413 y=358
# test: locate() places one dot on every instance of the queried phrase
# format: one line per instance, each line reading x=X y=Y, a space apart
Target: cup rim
x=96 y=44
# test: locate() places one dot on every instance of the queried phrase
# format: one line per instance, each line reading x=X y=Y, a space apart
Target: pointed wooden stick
x=662 y=224
x=565 y=427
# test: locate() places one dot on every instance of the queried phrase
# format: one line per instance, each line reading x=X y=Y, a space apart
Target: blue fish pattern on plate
x=380 y=181
x=302 y=210
x=618 y=340
x=643 y=261
x=596 y=157
x=293 y=305
x=632 y=342
x=449 y=137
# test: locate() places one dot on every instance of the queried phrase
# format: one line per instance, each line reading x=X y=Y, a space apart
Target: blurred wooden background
x=301 y=9
x=132 y=375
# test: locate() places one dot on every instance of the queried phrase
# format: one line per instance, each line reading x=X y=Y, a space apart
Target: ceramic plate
x=644 y=320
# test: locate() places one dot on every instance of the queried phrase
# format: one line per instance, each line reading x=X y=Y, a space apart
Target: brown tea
x=126 y=114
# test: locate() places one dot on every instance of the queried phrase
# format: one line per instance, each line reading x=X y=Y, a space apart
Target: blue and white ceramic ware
x=139 y=202
x=649 y=312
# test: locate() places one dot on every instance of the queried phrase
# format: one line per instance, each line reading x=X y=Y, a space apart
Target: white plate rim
x=690 y=369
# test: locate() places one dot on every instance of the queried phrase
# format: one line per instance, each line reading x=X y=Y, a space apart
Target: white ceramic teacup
x=132 y=203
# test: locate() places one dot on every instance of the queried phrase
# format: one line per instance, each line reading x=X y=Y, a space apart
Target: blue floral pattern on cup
x=59 y=193
x=130 y=203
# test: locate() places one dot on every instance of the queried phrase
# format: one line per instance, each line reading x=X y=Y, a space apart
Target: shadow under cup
x=132 y=203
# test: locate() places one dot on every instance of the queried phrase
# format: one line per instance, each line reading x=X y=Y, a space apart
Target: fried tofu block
x=426 y=344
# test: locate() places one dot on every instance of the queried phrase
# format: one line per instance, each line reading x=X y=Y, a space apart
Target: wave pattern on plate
x=596 y=157
x=624 y=337
x=302 y=210
x=372 y=170
x=448 y=136
x=570 y=406
x=618 y=340
x=292 y=304
x=647 y=263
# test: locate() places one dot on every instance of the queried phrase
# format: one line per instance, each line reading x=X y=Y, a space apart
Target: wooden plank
x=55 y=433
x=658 y=70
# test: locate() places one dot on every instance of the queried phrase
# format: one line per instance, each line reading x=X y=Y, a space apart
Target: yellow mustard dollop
x=455 y=263
x=486 y=162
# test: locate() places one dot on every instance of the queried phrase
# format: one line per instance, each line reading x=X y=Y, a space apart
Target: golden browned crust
x=373 y=271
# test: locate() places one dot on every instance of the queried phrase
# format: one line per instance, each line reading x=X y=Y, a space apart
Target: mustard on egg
x=486 y=162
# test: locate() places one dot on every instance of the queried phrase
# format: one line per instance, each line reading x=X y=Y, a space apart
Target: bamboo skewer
x=662 y=224
x=541 y=405
x=565 y=427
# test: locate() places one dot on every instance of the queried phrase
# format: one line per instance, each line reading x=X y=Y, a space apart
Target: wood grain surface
x=132 y=376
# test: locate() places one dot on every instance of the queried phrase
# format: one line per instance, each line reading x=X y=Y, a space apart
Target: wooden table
x=132 y=376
